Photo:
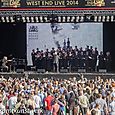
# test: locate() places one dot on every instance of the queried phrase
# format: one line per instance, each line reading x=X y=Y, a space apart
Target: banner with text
x=56 y=3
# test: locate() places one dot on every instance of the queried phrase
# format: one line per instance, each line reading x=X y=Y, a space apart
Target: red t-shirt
x=48 y=100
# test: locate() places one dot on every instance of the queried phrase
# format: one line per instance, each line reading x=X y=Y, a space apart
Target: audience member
x=54 y=96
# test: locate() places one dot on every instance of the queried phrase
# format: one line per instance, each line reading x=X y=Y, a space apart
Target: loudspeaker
x=63 y=70
x=41 y=70
x=33 y=68
x=102 y=70
x=81 y=70
x=20 y=70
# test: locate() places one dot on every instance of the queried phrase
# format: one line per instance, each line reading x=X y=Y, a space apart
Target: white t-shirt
x=112 y=107
x=12 y=102
x=2 y=109
x=37 y=100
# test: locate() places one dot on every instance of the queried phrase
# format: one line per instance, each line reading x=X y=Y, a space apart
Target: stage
x=36 y=75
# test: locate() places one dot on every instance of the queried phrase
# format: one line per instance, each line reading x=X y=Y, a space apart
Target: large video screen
x=48 y=35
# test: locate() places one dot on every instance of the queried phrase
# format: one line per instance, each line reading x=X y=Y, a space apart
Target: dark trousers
x=83 y=110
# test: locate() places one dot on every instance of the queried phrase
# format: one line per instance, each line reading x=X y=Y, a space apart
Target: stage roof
x=56 y=8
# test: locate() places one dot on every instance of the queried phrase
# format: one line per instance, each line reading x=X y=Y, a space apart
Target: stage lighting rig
x=53 y=18
x=17 y=18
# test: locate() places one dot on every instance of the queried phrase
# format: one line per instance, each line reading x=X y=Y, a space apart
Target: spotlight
x=41 y=19
x=23 y=19
x=92 y=18
x=87 y=17
x=72 y=19
x=81 y=19
x=103 y=19
x=45 y=19
x=17 y=18
x=50 y=19
x=68 y=18
x=12 y=19
x=107 y=18
x=27 y=18
x=63 y=19
x=77 y=19
x=32 y=19
x=59 y=19
x=112 y=19
x=99 y=19
x=3 y=19
x=95 y=18
x=36 y=18
x=7 y=19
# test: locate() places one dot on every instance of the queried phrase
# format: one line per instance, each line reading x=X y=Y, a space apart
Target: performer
x=56 y=62
x=68 y=43
x=33 y=54
x=4 y=62
x=94 y=61
x=108 y=61
x=102 y=59
x=10 y=62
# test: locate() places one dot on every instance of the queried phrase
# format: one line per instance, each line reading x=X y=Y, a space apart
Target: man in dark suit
x=33 y=54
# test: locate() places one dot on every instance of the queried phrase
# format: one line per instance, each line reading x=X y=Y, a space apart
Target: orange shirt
x=55 y=109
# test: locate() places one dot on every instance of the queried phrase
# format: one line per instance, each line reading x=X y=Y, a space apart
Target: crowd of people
x=72 y=59
x=54 y=96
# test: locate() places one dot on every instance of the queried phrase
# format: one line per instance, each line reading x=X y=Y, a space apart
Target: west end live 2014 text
x=59 y=3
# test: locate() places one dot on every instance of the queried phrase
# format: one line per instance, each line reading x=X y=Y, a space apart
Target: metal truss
x=56 y=12
x=49 y=16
